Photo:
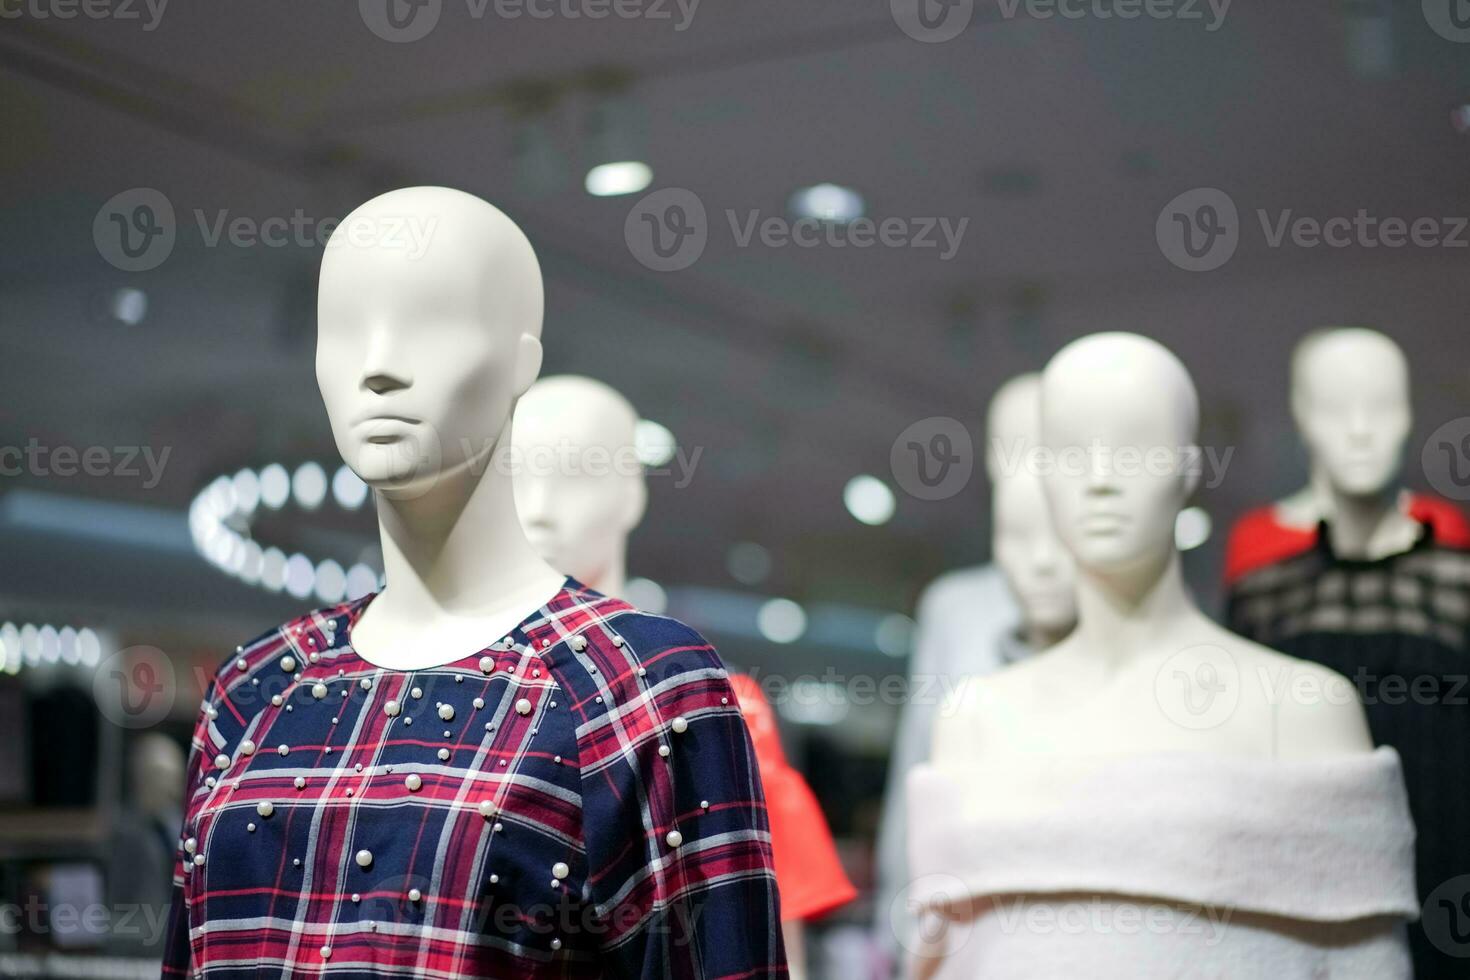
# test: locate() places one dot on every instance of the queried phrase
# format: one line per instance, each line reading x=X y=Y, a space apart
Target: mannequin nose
x=383 y=372
x=532 y=502
x=1044 y=558
x=1360 y=426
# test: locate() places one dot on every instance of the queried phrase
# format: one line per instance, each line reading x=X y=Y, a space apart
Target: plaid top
x=579 y=799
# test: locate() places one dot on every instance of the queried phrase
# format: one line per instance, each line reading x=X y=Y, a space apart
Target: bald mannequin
x=579 y=487
x=1350 y=400
x=420 y=359
x=1038 y=570
x=1119 y=418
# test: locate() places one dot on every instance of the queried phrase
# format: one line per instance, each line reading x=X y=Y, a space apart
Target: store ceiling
x=792 y=369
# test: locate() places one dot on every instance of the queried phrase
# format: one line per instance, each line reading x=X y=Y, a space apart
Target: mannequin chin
x=1350 y=398
x=579 y=487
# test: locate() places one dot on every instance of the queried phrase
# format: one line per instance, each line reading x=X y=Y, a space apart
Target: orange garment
x=1259 y=539
x=808 y=873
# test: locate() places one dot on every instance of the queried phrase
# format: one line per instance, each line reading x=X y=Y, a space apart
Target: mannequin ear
x=1193 y=472
x=1299 y=411
x=637 y=502
x=528 y=363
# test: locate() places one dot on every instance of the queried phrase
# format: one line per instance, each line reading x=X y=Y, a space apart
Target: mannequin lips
x=1101 y=524
x=382 y=429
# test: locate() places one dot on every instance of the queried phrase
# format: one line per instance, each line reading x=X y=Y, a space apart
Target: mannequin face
x=1037 y=567
x=1119 y=414
x=420 y=355
x=1350 y=396
x=579 y=489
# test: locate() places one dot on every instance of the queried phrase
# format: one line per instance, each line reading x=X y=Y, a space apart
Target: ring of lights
x=29 y=645
x=231 y=501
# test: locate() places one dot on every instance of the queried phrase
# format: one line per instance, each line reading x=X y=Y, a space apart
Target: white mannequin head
x=1350 y=399
x=157 y=769
x=1039 y=571
x=422 y=352
x=1121 y=416
x=579 y=488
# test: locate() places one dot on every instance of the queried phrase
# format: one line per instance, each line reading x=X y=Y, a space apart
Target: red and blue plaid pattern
x=580 y=799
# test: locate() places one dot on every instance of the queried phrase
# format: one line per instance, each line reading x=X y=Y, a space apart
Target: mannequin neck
x=613 y=578
x=1039 y=637
x=457 y=550
x=1370 y=526
x=1123 y=614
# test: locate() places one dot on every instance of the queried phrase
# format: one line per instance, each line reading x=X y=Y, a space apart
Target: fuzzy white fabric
x=1165 y=867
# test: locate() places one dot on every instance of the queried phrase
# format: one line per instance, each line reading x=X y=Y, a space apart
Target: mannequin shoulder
x=284 y=648
x=1318 y=711
x=616 y=649
x=982 y=711
x=960 y=589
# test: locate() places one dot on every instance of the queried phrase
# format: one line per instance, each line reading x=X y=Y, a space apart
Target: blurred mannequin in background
x=1146 y=754
x=1377 y=595
x=145 y=835
x=1354 y=438
x=977 y=621
x=580 y=492
x=579 y=486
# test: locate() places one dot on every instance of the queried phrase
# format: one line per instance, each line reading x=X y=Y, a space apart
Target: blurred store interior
x=783 y=374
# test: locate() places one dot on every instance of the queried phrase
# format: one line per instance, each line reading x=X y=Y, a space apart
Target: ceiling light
x=348 y=489
x=654 y=443
x=827 y=202
x=275 y=486
x=1192 y=528
x=361 y=580
x=300 y=576
x=647 y=595
x=869 y=500
x=748 y=563
x=309 y=485
x=614 y=179
x=129 y=306
x=781 y=620
x=894 y=635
